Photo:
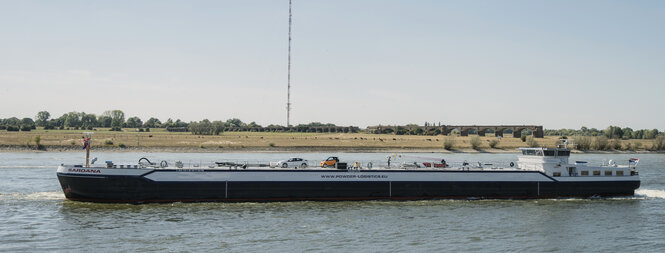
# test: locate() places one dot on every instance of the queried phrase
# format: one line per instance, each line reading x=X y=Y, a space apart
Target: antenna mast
x=86 y=146
x=288 y=82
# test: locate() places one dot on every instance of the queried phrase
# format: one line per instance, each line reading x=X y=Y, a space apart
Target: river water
x=35 y=216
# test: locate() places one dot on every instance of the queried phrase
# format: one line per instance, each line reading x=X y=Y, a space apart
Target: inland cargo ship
x=538 y=173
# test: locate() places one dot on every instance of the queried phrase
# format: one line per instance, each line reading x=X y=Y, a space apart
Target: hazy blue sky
x=556 y=63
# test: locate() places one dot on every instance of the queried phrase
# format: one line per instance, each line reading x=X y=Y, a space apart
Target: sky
x=560 y=64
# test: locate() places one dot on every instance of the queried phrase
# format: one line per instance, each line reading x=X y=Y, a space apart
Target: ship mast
x=86 y=145
x=288 y=82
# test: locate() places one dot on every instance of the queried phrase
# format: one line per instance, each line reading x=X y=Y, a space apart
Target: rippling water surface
x=34 y=216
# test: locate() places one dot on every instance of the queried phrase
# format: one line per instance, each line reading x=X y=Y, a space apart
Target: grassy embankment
x=159 y=139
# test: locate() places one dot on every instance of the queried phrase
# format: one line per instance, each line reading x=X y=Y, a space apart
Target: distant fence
x=324 y=129
x=297 y=129
x=464 y=130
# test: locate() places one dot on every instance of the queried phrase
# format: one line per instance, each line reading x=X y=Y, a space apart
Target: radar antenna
x=288 y=82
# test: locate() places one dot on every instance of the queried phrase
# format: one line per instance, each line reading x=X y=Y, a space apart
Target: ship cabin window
x=529 y=152
x=546 y=152
x=596 y=172
x=608 y=173
x=556 y=174
x=585 y=173
x=619 y=172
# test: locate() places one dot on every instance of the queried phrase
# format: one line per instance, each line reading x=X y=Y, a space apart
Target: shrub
x=601 y=143
x=449 y=143
x=108 y=142
x=12 y=128
x=523 y=137
x=659 y=143
x=475 y=142
x=271 y=144
x=121 y=145
x=26 y=128
x=38 y=144
x=493 y=143
x=629 y=146
x=583 y=143
x=531 y=142
x=615 y=144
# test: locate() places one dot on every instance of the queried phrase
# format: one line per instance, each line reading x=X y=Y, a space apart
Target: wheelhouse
x=550 y=152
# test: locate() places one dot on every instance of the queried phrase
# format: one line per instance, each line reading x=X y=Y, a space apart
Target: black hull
x=136 y=189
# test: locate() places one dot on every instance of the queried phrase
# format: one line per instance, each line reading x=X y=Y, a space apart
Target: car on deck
x=293 y=162
x=330 y=162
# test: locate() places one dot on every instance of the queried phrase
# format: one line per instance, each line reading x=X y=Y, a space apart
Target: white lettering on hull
x=84 y=170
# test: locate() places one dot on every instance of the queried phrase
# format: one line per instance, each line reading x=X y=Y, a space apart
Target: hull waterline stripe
x=83 y=176
x=343 y=199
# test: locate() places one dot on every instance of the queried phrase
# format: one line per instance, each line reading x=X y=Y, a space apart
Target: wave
x=55 y=195
x=647 y=193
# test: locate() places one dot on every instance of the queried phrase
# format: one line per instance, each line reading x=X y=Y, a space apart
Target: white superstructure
x=554 y=162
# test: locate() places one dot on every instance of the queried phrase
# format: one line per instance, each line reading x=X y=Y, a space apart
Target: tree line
x=611 y=132
x=115 y=120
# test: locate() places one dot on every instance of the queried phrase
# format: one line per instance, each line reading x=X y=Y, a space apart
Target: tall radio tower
x=288 y=81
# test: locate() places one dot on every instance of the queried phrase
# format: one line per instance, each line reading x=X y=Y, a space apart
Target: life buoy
x=369 y=165
x=164 y=164
x=512 y=164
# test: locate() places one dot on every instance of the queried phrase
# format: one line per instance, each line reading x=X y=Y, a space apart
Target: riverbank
x=162 y=141
x=256 y=150
x=6 y=149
